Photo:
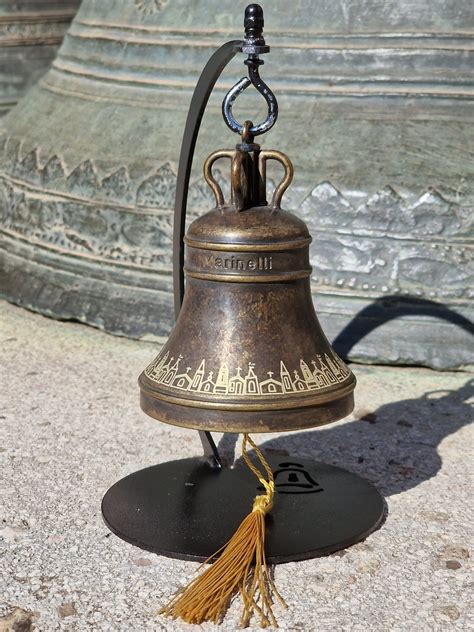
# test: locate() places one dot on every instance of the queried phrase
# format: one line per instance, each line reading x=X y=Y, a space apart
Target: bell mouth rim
x=277 y=402
x=283 y=420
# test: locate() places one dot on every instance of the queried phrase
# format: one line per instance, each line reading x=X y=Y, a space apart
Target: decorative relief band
x=364 y=245
x=326 y=370
x=149 y=7
x=359 y=64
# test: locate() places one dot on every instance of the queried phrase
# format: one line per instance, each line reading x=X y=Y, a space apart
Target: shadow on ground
x=394 y=447
x=387 y=308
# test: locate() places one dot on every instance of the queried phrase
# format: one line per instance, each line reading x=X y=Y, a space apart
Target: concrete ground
x=71 y=426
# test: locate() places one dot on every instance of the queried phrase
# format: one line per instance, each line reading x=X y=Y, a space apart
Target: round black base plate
x=188 y=510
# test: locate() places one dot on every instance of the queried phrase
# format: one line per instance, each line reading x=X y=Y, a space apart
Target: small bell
x=247 y=354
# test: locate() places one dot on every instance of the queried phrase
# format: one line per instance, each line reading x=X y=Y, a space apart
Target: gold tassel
x=241 y=567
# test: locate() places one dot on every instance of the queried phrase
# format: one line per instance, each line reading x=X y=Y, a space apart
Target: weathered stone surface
x=382 y=147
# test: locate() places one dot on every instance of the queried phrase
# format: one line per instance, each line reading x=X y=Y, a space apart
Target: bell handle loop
x=273 y=154
x=211 y=181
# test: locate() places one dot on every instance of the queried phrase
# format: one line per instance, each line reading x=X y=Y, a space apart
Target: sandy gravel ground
x=71 y=426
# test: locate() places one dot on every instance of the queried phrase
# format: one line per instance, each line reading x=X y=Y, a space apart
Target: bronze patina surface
x=247 y=352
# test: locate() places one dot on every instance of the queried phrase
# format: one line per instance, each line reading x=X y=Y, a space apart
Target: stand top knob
x=254 y=42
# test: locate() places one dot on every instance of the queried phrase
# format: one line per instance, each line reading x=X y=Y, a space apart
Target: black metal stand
x=188 y=509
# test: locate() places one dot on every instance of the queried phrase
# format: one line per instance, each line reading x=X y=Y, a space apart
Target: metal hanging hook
x=254 y=45
x=255 y=80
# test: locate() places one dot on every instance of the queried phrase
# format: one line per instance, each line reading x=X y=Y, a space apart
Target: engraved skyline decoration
x=315 y=375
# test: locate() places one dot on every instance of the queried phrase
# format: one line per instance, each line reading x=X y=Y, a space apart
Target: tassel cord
x=239 y=568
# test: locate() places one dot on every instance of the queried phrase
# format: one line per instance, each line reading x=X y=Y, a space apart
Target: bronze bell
x=247 y=353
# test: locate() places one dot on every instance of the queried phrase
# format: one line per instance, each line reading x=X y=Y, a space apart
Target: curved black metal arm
x=204 y=87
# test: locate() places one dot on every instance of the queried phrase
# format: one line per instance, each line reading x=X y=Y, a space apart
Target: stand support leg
x=210 y=449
